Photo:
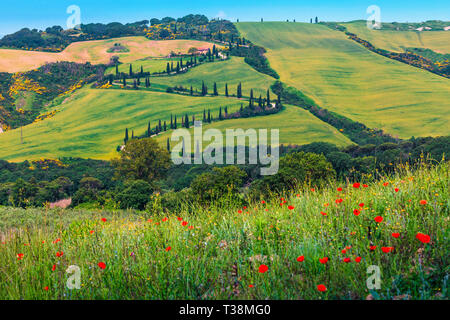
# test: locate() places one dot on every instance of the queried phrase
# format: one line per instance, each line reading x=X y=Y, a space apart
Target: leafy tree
x=142 y=159
x=220 y=183
x=136 y=195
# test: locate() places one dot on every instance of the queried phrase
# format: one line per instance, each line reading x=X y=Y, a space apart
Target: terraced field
x=96 y=52
x=344 y=77
x=438 y=41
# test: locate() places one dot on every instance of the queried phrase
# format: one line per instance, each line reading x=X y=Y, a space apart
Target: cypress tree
x=126 y=136
x=168 y=144
x=149 y=130
x=226 y=90
x=124 y=81
x=178 y=67
x=160 y=126
x=239 y=90
x=142 y=70
x=204 y=115
x=220 y=113
x=268 y=97
x=165 y=125
x=117 y=69
x=192 y=91
x=175 y=123
x=226 y=111
x=209 y=116
x=110 y=79
x=168 y=68
x=216 y=93
x=131 y=70
x=171 y=121
x=186 y=121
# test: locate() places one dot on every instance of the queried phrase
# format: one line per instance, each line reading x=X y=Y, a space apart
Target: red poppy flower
x=104 y=219
x=344 y=251
x=250 y=286
x=396 y=189
x=20 y=256
x=239 y=211
x=323 y=260
x=184 y=224
x=395 y=235
x=356 y=185
x=168 y=249
x=263 y=202
x=321 y=288
x=378 y=219
x=424 y=238
x=301 y=259
x=347 y=260
x=191 y=227
x=387 y=249
x=386 y=184
x=54 y=267
x=180 y=219
x=423 y=202
x=361 y=205
x=291 y=207
x=312 y=189
x=372 y=248
x=356 y=212
x=339 y=201
x=91 y=232
x=46 y=288
x=358 y=259
x=263 y=268
x=365 y=186
x=59 y=254
x=339 y=189
x=245 y=208
x=102 y=265
x=323 y=213
x=165 y=219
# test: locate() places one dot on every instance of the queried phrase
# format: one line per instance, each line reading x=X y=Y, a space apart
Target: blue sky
x=40 y=14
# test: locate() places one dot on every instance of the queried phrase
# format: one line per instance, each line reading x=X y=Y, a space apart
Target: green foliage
x=142 y=159
x=296 y=169
x=136 y=195
x=221 y=183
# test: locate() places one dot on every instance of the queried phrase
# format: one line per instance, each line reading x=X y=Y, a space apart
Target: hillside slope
x=95 y=52
x=438 y=41
x=92 y=122
x=344 y=77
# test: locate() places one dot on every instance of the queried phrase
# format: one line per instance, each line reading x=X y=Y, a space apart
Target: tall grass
x=218 y=253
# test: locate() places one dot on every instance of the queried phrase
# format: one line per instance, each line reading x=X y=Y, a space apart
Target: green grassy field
x=232 y=71
x=92 y=123
x=296 y=126
x=265 y=251
x=438 y=41
x=148 y=64
x=343 y=76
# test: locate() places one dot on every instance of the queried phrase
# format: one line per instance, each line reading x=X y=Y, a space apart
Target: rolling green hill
x=297 y=126
x=92 y=122
x=232 y=71
x=344 y=77
x=438 y=41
